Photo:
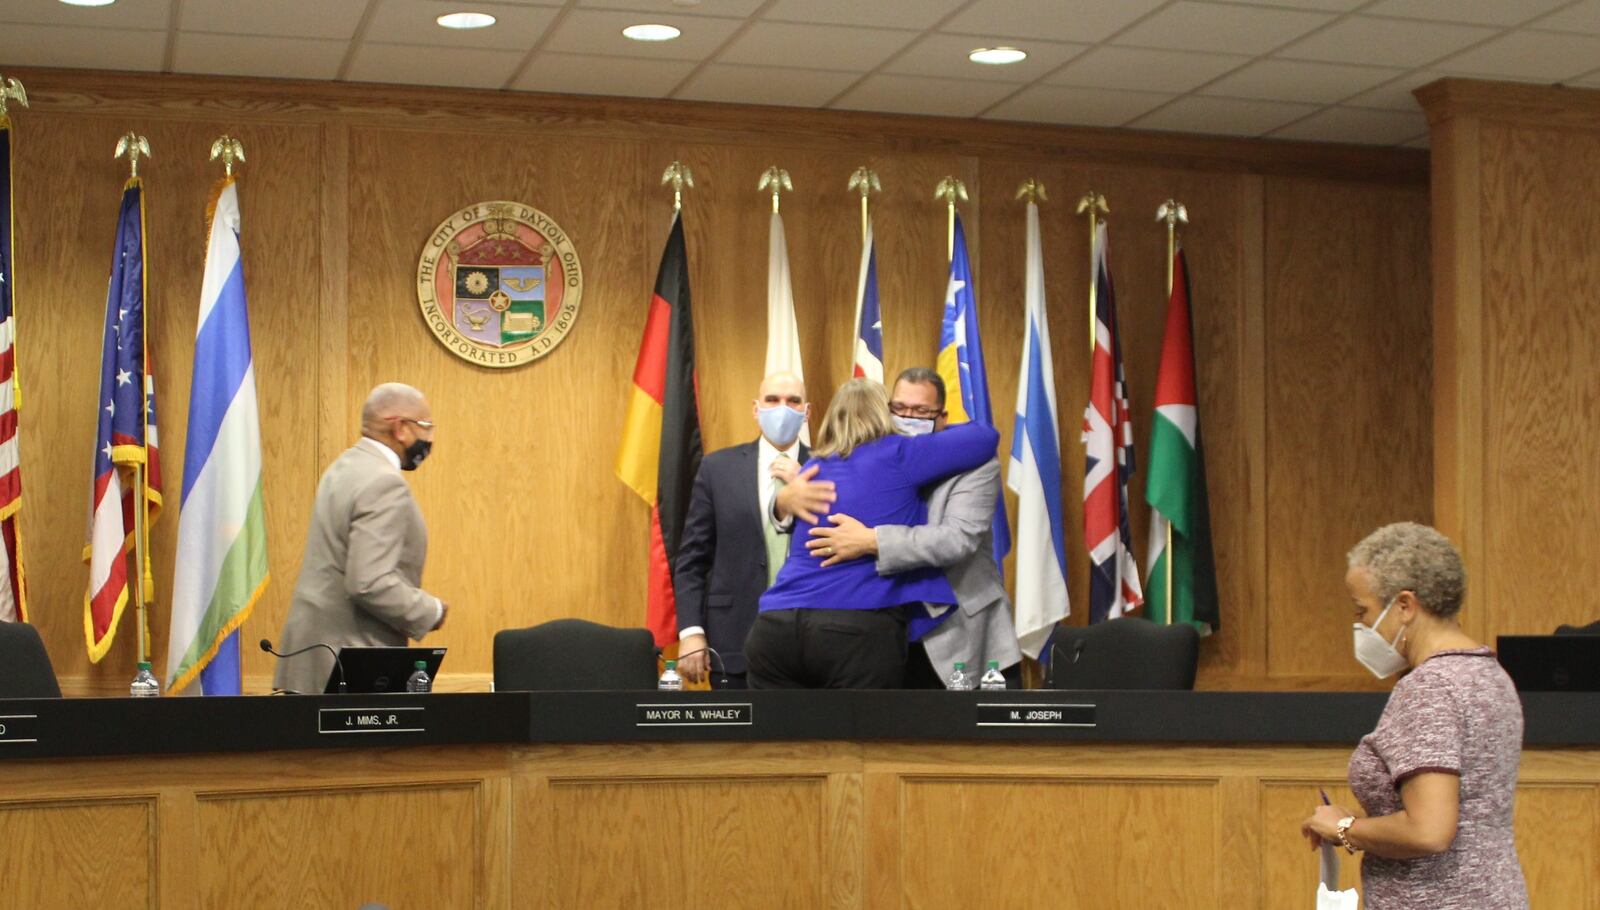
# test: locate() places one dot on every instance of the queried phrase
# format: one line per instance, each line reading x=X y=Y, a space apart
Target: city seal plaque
x=499 y=284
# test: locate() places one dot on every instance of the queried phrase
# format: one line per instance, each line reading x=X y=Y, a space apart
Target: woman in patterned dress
x=1437 y=778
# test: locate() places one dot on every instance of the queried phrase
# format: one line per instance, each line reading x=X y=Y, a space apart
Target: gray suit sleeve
x=373 y=577
x=967 y=515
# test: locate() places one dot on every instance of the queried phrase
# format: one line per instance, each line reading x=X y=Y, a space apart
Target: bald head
x=782 y=388
x=388 y=401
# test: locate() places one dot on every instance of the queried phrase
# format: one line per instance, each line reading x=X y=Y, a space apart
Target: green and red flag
x=1182 y=585
x=661 y=450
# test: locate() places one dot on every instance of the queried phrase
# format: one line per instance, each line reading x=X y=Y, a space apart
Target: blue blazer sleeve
x=955 y=450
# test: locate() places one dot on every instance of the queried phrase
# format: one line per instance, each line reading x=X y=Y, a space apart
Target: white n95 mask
x=1379 y=656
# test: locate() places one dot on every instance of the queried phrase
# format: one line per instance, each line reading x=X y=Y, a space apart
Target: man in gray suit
x=360 y=579
x=957 y=537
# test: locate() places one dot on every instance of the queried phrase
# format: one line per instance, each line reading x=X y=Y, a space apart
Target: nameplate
x=1034 y=715
x=18 y=728
x=370 y=720
x=728 y=714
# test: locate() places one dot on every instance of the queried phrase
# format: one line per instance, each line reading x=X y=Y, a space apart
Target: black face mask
x=415 y=454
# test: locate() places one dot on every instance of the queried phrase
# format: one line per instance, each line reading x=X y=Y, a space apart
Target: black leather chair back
x=574 y=654
x=1591 y=629
x=25 y=670
x=1124 y=653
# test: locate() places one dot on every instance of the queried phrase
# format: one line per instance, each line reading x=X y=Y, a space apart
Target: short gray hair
x=391 y=399
x=1406 y=556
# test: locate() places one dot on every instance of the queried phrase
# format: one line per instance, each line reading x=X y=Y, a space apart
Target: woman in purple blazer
x=844 y=627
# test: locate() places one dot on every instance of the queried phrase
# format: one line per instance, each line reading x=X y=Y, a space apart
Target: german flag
x=660 y=450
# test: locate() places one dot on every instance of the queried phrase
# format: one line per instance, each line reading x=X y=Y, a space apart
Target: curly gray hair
x=1406 y=556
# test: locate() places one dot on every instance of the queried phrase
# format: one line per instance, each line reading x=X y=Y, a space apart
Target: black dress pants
x=827 y=649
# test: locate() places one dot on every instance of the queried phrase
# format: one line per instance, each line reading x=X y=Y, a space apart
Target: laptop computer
x=1551 y=663
x=381 y=669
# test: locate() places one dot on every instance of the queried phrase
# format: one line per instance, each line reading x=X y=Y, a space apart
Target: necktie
x=777 y=544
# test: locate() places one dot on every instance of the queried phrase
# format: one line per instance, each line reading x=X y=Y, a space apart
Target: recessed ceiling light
x=996 y=56
x=88 y=2
x=465 y=20
x=651 y=32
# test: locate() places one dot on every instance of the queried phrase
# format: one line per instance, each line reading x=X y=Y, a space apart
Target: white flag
x=783 y=333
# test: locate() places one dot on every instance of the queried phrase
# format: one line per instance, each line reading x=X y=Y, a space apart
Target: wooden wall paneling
x=1348 y=377
x=1256 y=536
x=176 y=835
x=1550 y=819
x=1541 y=454
x=1289 y=868
x=63 y=854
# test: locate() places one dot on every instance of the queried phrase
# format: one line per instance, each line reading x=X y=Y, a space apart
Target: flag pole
x=778 y=179
x=867 y=182
x=1171 y=212
x=950 y=189
x=132 y=146
x=678 y=175
x=1095 y=205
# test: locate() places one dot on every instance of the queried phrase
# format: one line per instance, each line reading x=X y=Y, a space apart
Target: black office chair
x=25 y=670
x=1591 y=629
x=1124 y=653
x=574 y=654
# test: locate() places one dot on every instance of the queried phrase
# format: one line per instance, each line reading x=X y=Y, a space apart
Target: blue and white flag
x=1035 y=472
x=960 y=365
x=222 y=531
x=867 y=348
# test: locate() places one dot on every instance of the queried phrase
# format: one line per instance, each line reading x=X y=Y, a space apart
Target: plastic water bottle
x=670 y=680
x=992 y=677
x=145 y=684
x=959 y=680
x=418 y=681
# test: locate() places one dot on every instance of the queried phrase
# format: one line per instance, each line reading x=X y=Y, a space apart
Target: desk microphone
x=1055 y=651
x=266 y=645
x=713 y=652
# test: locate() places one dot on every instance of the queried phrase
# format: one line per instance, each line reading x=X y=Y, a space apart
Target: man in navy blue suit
x=729 y=554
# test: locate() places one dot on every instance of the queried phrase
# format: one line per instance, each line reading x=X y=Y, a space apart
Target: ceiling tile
x=1361 y=127
x=1386 y=42
x=1331 y=6
x=737 y=9
x=575 y=74
x=1190 y=26
x=290 y=18
x=765 y=85
x=1077 y=106
x=1139 y=69
x=1477 y=12
x=899 y=14
x=1396 y=95
x=1544 y=56
x=1583 y=18
x=920 y=95
x=149 y=14
x=408 y=64
x=412 y=22
x=1293 y=80
x=1590 y=81
x=1050 y=20
x=600 y=32
x=248 y=55
x=821 y=47
x=1223 y=116
x=1421 y=142
x=93 y=48
x=946 y=56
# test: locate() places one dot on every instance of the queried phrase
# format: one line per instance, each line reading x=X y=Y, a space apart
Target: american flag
x=1108 y=461
x=867 y=348
x=126 y=434
x=13 y=602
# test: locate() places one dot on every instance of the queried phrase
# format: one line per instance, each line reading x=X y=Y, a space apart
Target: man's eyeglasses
x=425 y=424
x=920 y=413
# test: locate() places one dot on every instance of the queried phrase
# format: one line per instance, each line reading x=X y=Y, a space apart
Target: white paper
x=1336 y=900
x=1330 y=866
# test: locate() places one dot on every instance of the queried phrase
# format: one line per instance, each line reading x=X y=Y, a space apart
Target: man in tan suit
x=360 y=579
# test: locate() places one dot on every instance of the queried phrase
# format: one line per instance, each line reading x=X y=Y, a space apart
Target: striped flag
x=222 y=531
x=1176 y=490
x=1035 y=472
x=125 y=433
x=1108 y=461
x=13 y=597
x=867 y=346
x=783 y=332
x=961 y=367
x=660 y=450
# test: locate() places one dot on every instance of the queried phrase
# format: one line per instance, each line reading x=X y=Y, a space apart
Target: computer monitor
x=381 y=669
x=1551 y=663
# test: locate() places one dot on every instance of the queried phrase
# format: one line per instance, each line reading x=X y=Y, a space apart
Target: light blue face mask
x=780 y=424
x=912 y=426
